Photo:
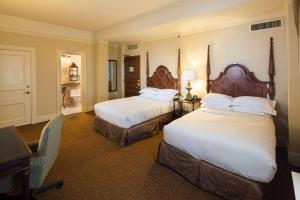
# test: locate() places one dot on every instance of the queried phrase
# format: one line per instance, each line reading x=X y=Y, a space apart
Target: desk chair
x=45 y=152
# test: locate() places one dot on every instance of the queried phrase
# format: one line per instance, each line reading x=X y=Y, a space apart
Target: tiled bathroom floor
x=71 y=110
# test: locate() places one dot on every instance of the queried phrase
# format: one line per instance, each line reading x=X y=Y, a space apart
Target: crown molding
x=114 y=44
x=101 y=42
x=280 y=15
x=31 y=27
x=36 y=28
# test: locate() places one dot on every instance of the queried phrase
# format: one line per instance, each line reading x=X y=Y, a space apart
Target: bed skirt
x=211 y=178
x=125 y=136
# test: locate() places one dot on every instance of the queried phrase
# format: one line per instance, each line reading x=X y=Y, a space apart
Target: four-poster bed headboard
x=237 y=80
x=162 y=77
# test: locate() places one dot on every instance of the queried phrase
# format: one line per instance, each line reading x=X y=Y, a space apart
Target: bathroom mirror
x=112 y=75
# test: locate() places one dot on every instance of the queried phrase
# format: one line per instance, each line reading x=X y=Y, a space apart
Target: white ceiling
x=200 y=17
x=83 y=14
x=134 y=20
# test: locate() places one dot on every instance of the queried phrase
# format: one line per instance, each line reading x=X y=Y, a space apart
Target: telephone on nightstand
x=195 y=97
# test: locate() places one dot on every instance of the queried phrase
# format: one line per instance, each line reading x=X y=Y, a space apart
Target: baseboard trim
x=89 y=108
x=294 y=159
x=43 y=118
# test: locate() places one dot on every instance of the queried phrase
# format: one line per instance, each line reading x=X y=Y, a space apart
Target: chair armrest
x=33 y=146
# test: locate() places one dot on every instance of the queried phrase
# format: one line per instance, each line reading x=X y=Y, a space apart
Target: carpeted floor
x=96 y=168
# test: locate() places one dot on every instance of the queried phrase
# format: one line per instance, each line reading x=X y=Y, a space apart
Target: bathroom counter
x=69 y=90
x=70 y=84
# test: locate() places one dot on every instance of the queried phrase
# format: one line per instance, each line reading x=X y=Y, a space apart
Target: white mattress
x=127 y=112
x=241 y=143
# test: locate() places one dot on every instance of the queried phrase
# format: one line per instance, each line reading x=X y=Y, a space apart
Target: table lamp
x=189 y=75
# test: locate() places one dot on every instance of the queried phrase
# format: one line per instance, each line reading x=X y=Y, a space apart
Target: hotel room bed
x=138 y=109
x=128 y=120
x=241 y=143
x=131 y=119
x=231 y=154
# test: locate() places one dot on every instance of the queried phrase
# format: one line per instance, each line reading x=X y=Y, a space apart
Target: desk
x=15 y=157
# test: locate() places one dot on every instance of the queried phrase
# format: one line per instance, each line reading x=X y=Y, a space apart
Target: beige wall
x=229 y=45
x=114 y=53
x=46 y=65
x=293 y=88
x=101 y=71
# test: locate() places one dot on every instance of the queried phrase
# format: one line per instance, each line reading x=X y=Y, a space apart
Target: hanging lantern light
x=73 y=72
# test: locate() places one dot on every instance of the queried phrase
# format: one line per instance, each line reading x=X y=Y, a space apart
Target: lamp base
x=188 y=95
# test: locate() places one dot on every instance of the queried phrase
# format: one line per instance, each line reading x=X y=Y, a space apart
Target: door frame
x=83 y=66
x=33 y=77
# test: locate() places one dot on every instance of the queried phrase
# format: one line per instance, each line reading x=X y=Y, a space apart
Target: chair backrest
x=49 y=143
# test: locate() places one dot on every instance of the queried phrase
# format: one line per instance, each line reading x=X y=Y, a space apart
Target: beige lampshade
x=189 y=75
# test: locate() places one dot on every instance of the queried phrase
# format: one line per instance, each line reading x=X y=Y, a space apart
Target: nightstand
x=180 y=111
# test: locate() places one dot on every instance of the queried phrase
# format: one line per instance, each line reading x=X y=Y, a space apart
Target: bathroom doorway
x=70 y=83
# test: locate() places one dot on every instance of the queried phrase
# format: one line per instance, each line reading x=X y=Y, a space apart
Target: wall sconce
x=73 y=72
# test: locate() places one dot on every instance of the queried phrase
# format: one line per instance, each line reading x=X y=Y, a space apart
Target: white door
x=15 y=96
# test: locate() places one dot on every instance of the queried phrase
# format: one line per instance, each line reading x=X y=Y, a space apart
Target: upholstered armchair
x=45 y=152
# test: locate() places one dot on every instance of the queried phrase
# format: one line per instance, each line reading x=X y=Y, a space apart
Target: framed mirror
x=112 y=75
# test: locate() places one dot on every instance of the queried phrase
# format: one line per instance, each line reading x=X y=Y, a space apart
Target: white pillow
x=250 y=110
x=148 y=96
x=220 y=106
x=216 y=98
x=258 y=104
x=149 y=90
x=164 y=97
x=166 y=94
x=162 y=92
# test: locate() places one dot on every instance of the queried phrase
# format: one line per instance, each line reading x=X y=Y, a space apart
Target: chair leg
x=57 y=184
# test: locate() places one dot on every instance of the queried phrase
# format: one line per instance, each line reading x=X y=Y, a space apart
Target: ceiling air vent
x=266 y=25
x=132 y=46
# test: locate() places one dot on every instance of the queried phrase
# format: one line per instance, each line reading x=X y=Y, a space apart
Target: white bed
x=241 y=143
x=128 y=112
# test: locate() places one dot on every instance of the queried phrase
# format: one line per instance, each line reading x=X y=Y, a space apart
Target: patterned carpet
x=96 y=168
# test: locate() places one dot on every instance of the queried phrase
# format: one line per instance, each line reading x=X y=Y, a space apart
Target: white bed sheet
x=127 y=112
x=241 y=143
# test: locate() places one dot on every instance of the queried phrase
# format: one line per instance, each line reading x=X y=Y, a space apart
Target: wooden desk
x=15 y=157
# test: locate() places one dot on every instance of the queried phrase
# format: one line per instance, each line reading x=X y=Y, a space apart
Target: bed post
x=147 y=69
x=179 y=73
x=271 y=71
x=208 y=70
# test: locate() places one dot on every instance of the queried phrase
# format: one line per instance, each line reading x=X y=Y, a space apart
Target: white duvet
x=241 y=143
x=127 y=112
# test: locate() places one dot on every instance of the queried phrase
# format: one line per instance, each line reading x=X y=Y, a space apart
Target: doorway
x=132 y=75
x=70 y=83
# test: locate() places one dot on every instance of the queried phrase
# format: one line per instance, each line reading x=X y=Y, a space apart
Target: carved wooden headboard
x=237 y=80
x=162 y=77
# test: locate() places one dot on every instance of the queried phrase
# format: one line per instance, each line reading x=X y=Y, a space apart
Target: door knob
x=28 y=92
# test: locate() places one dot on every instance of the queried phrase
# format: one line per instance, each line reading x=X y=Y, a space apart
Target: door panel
x=15 y=97
x=132 y=75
